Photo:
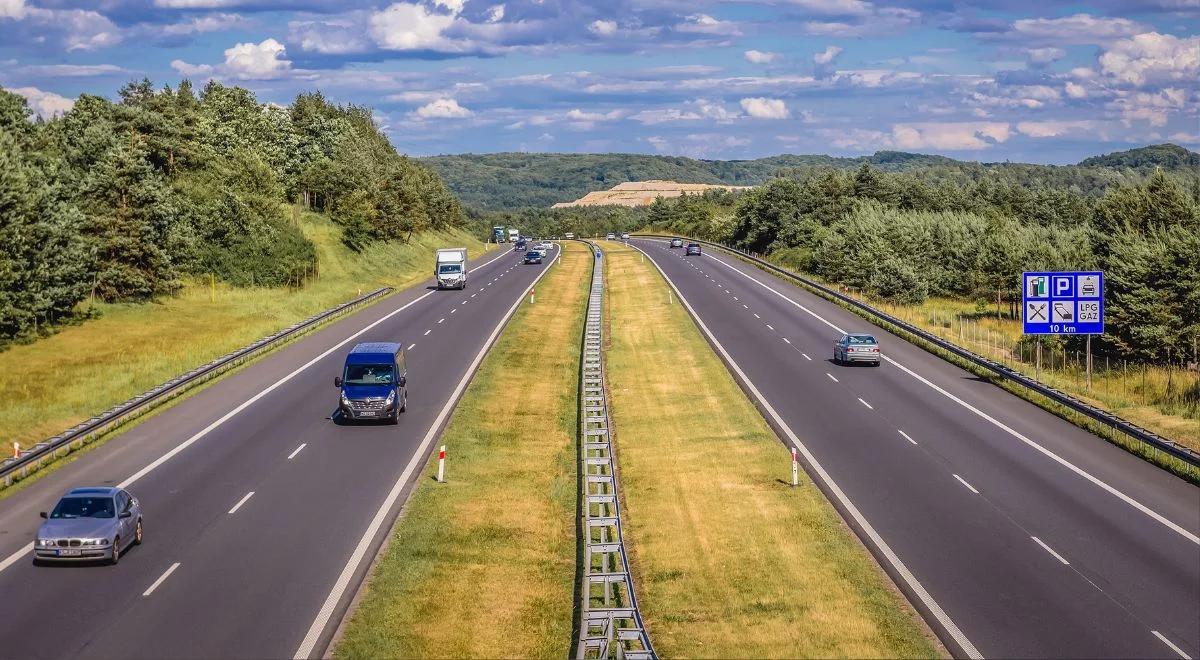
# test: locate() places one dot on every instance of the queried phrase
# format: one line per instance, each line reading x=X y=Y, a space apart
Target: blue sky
x=1021 y=80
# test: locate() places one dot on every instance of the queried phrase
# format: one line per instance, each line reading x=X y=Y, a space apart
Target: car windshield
x=860 y=339
x=368 y=374
x=449 y=268
x=84 y=507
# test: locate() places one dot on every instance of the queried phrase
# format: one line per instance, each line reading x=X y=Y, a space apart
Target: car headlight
x=345 y=401
x=94 y=542
x=391 y=398
x=46 y=543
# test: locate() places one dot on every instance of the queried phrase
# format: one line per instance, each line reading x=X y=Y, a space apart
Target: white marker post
x=16 y=450
x=532 y=295
x=795 y=469
x=442 y=465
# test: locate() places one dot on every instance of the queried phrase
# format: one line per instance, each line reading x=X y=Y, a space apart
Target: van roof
x=376 y=347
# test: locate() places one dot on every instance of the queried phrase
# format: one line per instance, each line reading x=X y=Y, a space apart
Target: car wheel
x=836 y=359
x=137 y=533
x=116 y=552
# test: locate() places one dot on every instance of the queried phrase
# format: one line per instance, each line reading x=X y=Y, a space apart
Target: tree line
x=121 y=200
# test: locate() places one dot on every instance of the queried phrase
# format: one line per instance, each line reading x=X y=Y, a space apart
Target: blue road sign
x=1070 y=303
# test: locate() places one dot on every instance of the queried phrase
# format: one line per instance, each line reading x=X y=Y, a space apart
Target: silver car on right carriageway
x=857 y=347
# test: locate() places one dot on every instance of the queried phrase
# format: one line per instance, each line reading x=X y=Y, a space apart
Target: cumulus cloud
x=44 y=104
x=705 y=24
x=694 y=110
x=1152 y=58
x=828 y=55
x=406 y=26
x=1075 y=90
x=603 y=28
x=1054 y=128
x=12 y=9
x=1044 y=56
x=1153 y=108
x=764 y=108
x=760 y=57
x=495 y=14
x=259 y=61
x=1076 y=29
x=442 y=109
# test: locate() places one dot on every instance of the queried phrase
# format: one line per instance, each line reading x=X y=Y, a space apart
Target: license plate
x=367 y=413
x=70 y=553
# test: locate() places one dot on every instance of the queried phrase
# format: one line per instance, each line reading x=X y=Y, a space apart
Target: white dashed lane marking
x=831 y=377
x=162 y=578
x=860 y=400
x=426 y=333
x=1047 y=548
x=240 y=502
x=972 y=489
x=297 y=451
x=410 y=347
x=906 y=436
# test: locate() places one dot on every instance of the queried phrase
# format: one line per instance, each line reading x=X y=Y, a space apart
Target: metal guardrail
x=84 y=433
x=1149 y=438
x=611 y=624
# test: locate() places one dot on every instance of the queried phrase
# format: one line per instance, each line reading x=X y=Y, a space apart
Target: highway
x=262 y=513
x=1015 y=533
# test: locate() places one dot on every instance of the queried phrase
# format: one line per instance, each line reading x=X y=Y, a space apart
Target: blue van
x=374 y=383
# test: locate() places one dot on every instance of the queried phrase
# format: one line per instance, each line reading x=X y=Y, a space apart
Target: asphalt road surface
x=260 y=527
x=1016 y=533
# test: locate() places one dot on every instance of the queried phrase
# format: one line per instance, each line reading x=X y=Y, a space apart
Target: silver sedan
x=90 y=524
x=857 y=347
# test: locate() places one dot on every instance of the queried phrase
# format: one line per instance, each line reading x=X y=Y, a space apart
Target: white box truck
x=513 y=235
x=451 y=269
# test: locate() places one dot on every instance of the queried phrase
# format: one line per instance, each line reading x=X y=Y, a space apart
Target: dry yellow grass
x=729 y=559
x=484 y=565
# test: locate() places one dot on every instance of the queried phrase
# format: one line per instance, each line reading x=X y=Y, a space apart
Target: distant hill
x=1166 y=156
x=507 y=181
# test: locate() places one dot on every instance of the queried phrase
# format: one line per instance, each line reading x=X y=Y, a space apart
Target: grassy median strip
x=53 y=383
x=730 y=560
x=484 y=564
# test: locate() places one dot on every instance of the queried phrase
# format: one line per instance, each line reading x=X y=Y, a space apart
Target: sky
x=1046 y=82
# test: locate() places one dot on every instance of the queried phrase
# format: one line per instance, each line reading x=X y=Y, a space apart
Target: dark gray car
x=89 y=524
x=857 y=347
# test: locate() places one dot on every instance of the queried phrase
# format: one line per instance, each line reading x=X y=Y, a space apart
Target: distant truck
x=451 y=269
x=374 y=383
x=513 y=234
x=498 y=234
x=569 y=235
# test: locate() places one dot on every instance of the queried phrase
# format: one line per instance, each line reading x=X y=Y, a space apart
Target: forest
x=943 y=231
x=512 y=181
x=118 y=201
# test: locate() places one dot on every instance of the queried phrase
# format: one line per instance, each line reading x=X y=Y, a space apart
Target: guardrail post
x=795 y=469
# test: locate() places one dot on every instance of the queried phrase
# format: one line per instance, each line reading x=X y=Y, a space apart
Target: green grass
x=484 y=565
x=729 y=559
x=55 y=382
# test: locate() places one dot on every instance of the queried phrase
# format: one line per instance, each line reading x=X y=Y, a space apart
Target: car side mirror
x=404 y=381
x=126 y=514
x=337 y=381
x=44 y=514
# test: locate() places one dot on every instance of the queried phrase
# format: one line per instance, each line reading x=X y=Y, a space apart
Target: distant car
x=692 y=248
x=546 y=245
x=533 y=257
x=676 y=242
x=857 y=347
x=89 y=524
x=610 y=236
x=624 y=237
x=521 y=244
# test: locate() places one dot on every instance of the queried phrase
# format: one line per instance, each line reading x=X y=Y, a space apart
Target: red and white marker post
x=16 y=450
x=442 y=464
x=532 y=295
x=795 y=469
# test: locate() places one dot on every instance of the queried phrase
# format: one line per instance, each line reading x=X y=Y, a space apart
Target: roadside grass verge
x=728 y=558
x=55 y=382
x=484 y=564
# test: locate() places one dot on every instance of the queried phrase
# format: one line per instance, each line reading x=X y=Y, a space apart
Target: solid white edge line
x=964 y=482
x=11 y=559
x=862 y=401
x=297 y=450
x=1170 y=644
x=995 y=422
x=240 y=502
x=419 y=457
x=162 y=578
x=884 y=549
x=906 y=436
x=1051 y=551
